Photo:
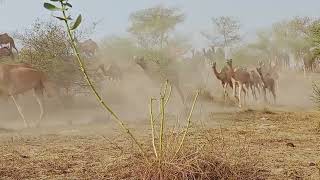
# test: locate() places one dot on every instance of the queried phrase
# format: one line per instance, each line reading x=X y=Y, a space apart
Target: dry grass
x=257 y=145
x=201 y=158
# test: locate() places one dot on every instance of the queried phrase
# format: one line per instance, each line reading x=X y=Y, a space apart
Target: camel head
x=213 y=64
x=212 y=47
x=260 y=63
x=259 y=70
x=229 y=62
x=140 y=61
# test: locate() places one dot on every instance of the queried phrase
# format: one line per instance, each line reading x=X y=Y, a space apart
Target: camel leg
x=258 y=89
x=265 y=94
x=239 y=96
x=254 y=92
x=246 y=94
x=20 y=112
x=38 y=94
x=225 y=92
x=274 y=95
x=234 y=89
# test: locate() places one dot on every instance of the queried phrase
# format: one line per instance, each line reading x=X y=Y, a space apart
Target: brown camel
x=224 y=76
x=88 y=47
x=17 y=79
x=5 y=52
x=161 y=76
x=272 y=70
x=6 y=39
x=240 y=77
x=268 y=83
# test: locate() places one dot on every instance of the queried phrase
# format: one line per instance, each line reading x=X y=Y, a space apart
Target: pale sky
x=253 y=14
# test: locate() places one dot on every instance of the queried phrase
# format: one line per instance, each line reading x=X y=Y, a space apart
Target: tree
x=226 y=31
x=46 y=47
x=151 y=27
x=293 y=35
x=315 y=37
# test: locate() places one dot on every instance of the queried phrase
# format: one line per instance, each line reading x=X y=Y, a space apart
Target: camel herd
x=17 y=79
x=255 y=80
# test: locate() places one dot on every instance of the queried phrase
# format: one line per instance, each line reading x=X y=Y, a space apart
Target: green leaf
x=76 y=24
x=51 y=7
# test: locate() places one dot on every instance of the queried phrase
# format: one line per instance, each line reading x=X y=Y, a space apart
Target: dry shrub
x=46 y=47
x=316 y=94
x=203 y=157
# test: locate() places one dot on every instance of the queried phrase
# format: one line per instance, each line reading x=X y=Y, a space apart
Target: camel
x=5 y=52
x=224 y=76
x=255 y=83
x=112 y=71
x=240 y=77
x=6 y=39
x=155 y=74
x=88 y=47
x=17 y=79
x=271 y=70
x=268 y=83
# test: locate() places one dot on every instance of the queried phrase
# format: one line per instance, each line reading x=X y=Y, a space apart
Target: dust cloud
x=130 y=96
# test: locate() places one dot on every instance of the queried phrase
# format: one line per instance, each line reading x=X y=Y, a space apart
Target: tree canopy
x=152 y=26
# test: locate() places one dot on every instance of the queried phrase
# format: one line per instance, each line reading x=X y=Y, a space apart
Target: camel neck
x=216 y=73
x=262 y=77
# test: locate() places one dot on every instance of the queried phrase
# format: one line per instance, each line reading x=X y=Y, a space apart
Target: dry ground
x=287 y=145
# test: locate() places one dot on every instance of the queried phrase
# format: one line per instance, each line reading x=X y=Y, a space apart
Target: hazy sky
x=253 y=14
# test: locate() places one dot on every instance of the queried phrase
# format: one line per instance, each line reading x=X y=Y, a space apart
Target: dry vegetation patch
x=258 y=145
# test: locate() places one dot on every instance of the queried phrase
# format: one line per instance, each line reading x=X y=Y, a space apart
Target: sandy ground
x=75 y=142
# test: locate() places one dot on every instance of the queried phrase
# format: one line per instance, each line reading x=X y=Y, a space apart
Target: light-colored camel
x=5 y=52
x=224 y=76
x=155 y=74
x=240 y=77
x=17 y=79
x=268 y=84
x=6 y=39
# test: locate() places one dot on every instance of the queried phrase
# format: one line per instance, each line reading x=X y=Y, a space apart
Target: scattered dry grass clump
x=201 y=158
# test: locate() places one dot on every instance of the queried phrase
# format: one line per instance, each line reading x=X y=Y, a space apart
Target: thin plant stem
x=161 y=134
x=152 y=127
x=92 y=87
x=189 y=122
x=167 y=97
